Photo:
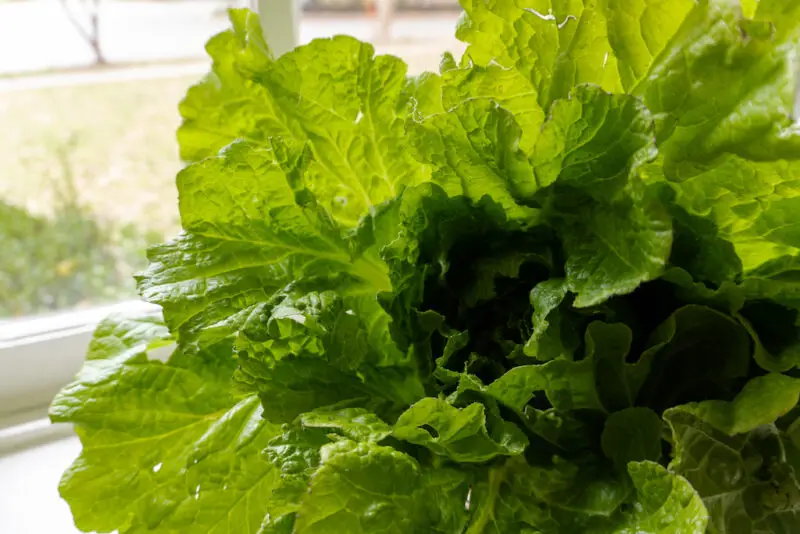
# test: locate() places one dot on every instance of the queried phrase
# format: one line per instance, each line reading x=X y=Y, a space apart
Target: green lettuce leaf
x=696 y=353
x=461 y=434
x=312 y=350
x=367 y=488
x=494 y=299
x=667 y=503
x=551 y=335
x=507 y=87
x=603 y=380
x=736 y=458
x=230 y=103
x=473 y=150
x=558 y=45
x=632 y=435
x=761 y=402
x=724 y=114
x=330 y=85
x=167 y=446
x=615 y=235
x=227 y=263
x=524 y=498
x=348 y=103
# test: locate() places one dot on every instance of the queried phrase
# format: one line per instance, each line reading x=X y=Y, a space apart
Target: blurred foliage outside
x=86 y=185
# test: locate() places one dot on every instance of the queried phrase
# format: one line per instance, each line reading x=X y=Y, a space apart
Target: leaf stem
x=496 y=477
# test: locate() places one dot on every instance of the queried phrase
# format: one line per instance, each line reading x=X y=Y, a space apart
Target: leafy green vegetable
x=460 y=434
x=738 y=459
x=551 y=289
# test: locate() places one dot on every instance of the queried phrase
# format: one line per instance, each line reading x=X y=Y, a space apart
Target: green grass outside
x=116 y=139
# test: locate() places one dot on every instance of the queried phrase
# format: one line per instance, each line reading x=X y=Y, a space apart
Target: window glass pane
x=88 y=103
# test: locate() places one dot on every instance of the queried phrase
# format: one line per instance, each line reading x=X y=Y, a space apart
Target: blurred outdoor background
x=89 y=91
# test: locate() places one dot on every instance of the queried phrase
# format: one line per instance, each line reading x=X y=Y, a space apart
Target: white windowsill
x=29 y=499
x=39 y=356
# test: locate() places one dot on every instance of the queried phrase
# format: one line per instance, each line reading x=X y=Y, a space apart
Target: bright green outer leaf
x=508 y=87
x=120 y=336
x=745 y=480
x=311 y=350
x=782 y=14
x=462 y=434
x=167 y=447
x=333 y=94
x=230 y=103
x=240 y=248
x=424 y=92
x=632 y=435
x=296 y=454
x=593 y=141
x=762 y=400
x=555 y=46
x=473 y=150
x=612 y=248
x=366 y=488
x=504 y=32
x=320 y=325
x=723 y=95
x=585 y=54
x=749 y=7
x=348 y=103
x=639 y=30
x=298 y=385
x=279 y=525
x=616 y=235
x=560 y=44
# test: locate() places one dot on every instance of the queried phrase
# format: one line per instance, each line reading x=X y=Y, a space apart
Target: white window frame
x=39 y=355
x=280 y=20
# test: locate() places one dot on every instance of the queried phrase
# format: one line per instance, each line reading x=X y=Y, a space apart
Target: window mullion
x=281 y=22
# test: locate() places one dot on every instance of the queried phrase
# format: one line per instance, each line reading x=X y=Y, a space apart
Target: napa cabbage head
x=551 y=288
